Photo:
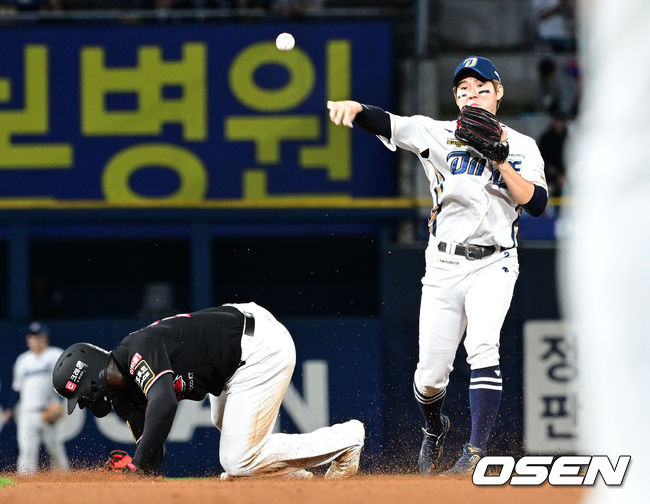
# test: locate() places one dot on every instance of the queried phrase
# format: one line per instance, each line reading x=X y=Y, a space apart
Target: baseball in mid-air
x=285 y=41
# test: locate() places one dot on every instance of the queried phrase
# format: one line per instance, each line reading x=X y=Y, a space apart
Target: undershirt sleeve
x=158 y=420
x=537 y=202
x=374 y=120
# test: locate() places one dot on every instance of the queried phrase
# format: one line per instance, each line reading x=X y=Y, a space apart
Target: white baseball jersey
x=471 y=203
x=33 y=379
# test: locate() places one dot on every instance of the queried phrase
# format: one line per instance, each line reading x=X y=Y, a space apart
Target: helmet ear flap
x=99 y=404
x=101 y=381
x=98 y=384
x=101 y=407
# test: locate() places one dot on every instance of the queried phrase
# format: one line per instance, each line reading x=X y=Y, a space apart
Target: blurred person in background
x=558 y=87
x=555 y=23
x=551 y=145
x=549 y=88
x=40 y=407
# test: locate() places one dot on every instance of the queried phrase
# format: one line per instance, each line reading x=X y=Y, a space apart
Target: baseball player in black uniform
x=241 y=356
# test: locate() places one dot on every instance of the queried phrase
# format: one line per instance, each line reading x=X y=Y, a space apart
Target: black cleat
x=465 y=465
x=431 y=450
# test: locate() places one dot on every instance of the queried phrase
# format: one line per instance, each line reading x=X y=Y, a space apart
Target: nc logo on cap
x=71 y=386
x=470 y=62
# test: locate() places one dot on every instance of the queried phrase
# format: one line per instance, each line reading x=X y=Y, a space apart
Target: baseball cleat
x=465 y=465
x=431 y=449
x=301 y=474
x=346 y=465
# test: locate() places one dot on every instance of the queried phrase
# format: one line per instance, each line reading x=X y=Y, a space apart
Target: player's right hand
x=344 y=111
x=120 y=462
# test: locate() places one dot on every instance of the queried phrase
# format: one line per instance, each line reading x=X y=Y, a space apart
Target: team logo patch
x=71 y=386
x=77 y=373
x=454 y=142
x=143 y=374
x=470 y=62
x=134 y=362
x=179 y=387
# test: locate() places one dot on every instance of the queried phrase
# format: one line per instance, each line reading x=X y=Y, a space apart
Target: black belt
x=249 y=324
x=470 y=252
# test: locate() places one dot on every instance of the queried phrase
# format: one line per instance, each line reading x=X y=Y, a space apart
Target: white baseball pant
x=459 y=294
x=31 y=432
x=246 y=411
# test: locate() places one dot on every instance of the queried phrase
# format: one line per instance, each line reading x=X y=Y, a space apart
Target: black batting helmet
x=80 y=376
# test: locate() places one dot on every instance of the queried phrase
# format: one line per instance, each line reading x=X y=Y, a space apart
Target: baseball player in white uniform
x=471 y=258
x=32 y=381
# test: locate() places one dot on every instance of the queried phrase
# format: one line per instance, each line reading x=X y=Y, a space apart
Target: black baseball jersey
x=201 y=350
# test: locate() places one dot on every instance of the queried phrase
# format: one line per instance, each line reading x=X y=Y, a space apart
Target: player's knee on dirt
x=237 y=456
x=235 y=464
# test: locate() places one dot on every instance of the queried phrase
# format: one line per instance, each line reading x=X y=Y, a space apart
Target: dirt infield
x=97 y=488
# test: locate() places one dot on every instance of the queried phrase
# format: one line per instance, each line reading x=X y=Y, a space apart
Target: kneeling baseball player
x=242 y=357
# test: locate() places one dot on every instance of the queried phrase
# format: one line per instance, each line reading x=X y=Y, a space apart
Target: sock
x=431 y=408
x=484 y=396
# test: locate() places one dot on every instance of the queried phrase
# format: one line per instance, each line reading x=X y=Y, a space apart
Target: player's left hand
x=53 y=413
x=480 y=129
x=120 y=462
